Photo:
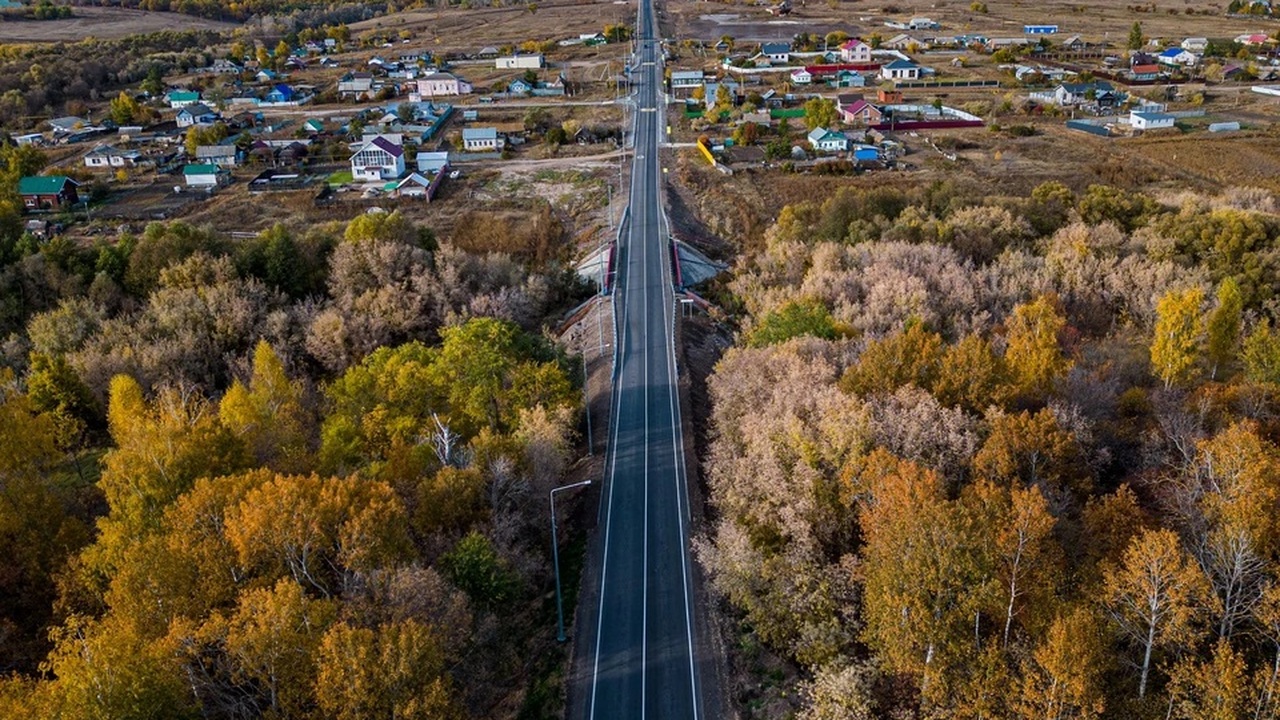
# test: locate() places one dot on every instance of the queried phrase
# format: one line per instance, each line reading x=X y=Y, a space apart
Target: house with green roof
x=182 y=98
x=47 y=192
x=203 y=175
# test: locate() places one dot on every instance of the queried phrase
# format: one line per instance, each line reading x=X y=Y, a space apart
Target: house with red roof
x=855 y=51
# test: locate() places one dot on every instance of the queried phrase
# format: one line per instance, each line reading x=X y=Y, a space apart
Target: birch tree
x=1154 y=596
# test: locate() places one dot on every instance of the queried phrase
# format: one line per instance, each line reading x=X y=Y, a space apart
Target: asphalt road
x=636 y=632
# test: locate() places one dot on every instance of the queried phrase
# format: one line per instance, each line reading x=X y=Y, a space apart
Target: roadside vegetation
x=1005 y=456
x=291 y=476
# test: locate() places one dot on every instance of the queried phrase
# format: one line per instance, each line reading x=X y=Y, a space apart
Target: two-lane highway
x=637 y=640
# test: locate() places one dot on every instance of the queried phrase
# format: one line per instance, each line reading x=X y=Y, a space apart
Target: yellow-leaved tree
x=1177 y=335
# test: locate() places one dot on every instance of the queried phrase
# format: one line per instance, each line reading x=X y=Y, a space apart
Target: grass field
x=103 y=23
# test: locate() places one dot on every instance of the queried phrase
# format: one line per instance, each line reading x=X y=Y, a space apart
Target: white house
x=1195 y=44
x=521 y=62
x=1150 y=120
x=432 y=162
x=442 y=83
x=202 y=176
x=824 y=140
x=686 y=80
x=105 y=156
x=855 y=51
x=1178 y=57
x=778 y=52
x=801 y=76
x=900 y=70
x=196 y=114
x=481 y=139
x=414 y=186
x=378 y=159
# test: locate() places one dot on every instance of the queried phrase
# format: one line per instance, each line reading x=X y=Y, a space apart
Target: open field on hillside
x=1098 y=19
x=453 y=29
x=103 y=23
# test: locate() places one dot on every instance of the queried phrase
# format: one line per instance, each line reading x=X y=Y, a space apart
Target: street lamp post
x=555 y=556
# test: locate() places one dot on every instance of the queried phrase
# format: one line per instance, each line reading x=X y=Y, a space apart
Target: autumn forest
x=979 y=457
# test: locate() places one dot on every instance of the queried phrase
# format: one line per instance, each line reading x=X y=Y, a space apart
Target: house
x=904 y=42
x=1178 y=57
x=778 y=52
x=1075 y=42
x=866 y=153
x=182 y=98
x=850 y=78
x=922 y=23
x=356 y=86
x=47 y=192
x=266 y=75
x=855 y=51
x=686 y=79
x=521 y=62
x=378 y=159
x=888 y=97
x=203 y=175
x=858 y=112
x=411 y=57
x=432 y=162
x=824 y=140
x=593 y=39
x=1039 y=29
x=1150 y=120
x=1144 y=73
x=1069 y=94
x=442 y=83
x=481 y=140
x=487 y=53
x=1195 y=44
x=328 y=62
x=416 y=185
x=900 y=70
x=105 y=156
x=198 y=115
x=279 y=94
x=314 y=125
x=519 y=86
x=222 y=66
x=223 y=156
x=801 y=76
x=68 y=125
x=295 y=153
x=1253 y=39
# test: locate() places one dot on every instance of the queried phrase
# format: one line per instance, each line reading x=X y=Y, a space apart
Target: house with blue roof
x=1178 y=57
x=279 y=94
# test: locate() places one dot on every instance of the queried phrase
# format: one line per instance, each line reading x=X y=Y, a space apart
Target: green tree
x=1261 y=355
x=1177 y=335
x=819 y=112
x=794 y=319
x=477 y=569
x=1136 y=38
x=1223 y=327
x=124 y=109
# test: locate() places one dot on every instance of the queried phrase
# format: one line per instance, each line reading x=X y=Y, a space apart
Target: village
x=337 y=122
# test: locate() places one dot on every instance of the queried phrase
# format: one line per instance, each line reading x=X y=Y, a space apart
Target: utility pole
x=555 y=556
